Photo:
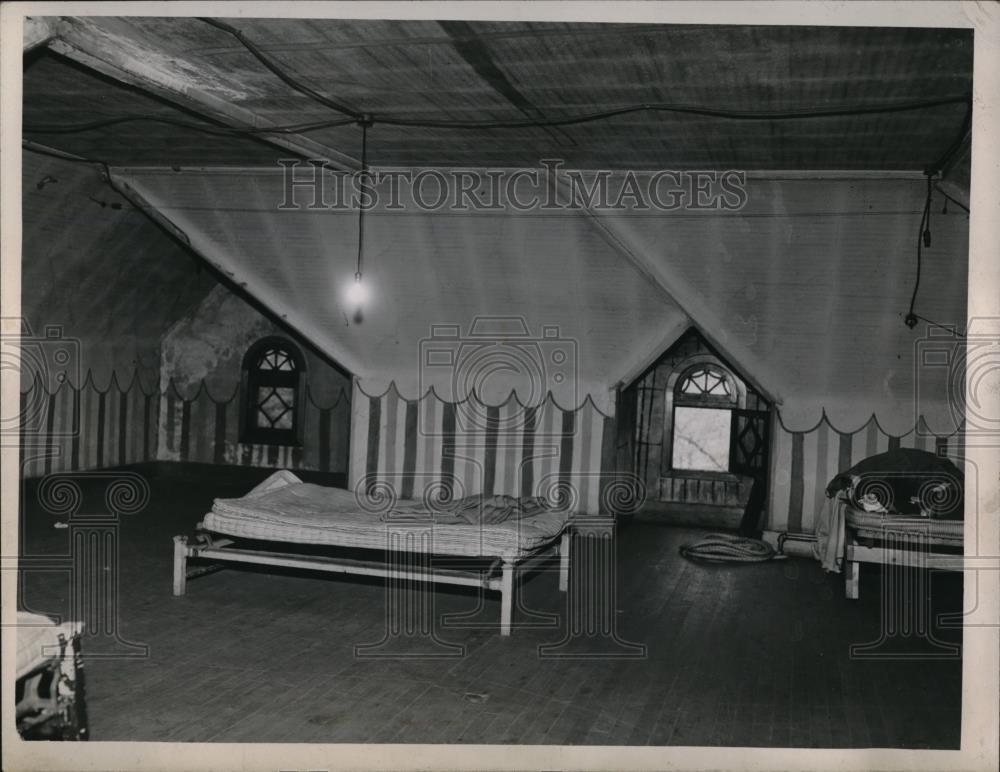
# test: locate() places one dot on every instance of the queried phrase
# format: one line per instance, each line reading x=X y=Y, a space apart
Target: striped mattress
x=876 y=524
x=285 y=509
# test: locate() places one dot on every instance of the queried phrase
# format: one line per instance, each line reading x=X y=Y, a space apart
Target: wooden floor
x=745 y=655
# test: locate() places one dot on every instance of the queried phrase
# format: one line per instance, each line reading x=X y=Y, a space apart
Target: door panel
x=749 y=443
x=748 y=455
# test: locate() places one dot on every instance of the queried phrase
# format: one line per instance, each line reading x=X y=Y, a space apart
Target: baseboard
x=797 y=544
x=691 y=515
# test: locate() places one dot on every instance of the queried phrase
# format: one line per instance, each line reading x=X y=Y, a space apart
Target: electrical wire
x=361 y=203
x=923 y=239
x=683 y=109
x=727 y=548
x=953 y=200
x=366 y=120
x=940 y=326
x=943 y=165
x=302 y=128
x=280 y=73
x=355 y=116
x=927 y=209
x=359 y=116
x=693 y=551
x=79 y=128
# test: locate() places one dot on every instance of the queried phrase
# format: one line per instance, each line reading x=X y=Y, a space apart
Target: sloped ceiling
x=96 y=268
x=812 y=279
x=424 y=270
x=805 y=286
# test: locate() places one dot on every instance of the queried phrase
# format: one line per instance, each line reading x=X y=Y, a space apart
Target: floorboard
x=745 y=655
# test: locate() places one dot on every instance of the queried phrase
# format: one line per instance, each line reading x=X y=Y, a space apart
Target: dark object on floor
x=905 y=481
x=727 y=548
x=49 y=693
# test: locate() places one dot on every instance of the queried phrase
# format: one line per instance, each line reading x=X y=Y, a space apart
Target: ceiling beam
x=477 y=55
x=37 y=31
x=122 y=58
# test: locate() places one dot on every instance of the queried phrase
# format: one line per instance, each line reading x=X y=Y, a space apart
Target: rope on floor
x=728 y=548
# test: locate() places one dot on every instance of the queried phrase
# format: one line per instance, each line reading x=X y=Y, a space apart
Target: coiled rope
x=728 y=548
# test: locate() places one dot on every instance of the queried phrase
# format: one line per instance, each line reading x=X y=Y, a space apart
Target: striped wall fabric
x=203 y=429
x=74 y=429
x=85 y=427
x=416 y=448
x=413 y=448
x=805 y=462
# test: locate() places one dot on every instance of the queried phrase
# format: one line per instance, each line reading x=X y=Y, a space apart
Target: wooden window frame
x=729 y=402
x=253 y=378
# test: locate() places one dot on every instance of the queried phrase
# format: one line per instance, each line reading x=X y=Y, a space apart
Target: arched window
x=705 y=385
x=272 y=392
x=704 y=398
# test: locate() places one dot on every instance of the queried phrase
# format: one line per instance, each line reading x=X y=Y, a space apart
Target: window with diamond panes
x=272 y=373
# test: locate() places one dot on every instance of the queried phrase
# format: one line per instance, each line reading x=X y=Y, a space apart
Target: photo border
x=981 y=672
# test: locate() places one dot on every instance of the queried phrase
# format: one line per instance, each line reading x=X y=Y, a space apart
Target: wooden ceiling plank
x=37 y=31
x=176 y=87
x=392 y=68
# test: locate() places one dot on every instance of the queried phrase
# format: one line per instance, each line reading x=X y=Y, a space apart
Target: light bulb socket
x=357 y=277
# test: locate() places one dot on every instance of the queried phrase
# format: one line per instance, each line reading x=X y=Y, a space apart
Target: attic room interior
x=492 y=382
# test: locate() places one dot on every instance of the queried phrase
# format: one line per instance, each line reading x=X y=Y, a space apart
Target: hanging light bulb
x=357 y=293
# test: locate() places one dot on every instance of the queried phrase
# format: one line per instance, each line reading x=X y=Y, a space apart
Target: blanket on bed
x=831 y=533
x=282 y=497
x=904 y=481
x=285 y=509
x=474 y=510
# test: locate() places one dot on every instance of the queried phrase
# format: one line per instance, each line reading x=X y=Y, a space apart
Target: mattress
x=875 y=523
x=285 y=509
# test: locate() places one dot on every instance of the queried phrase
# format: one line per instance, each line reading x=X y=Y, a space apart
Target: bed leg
x=564 y=561
x=180 y=564
x=852 y=583
x=506 y=598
